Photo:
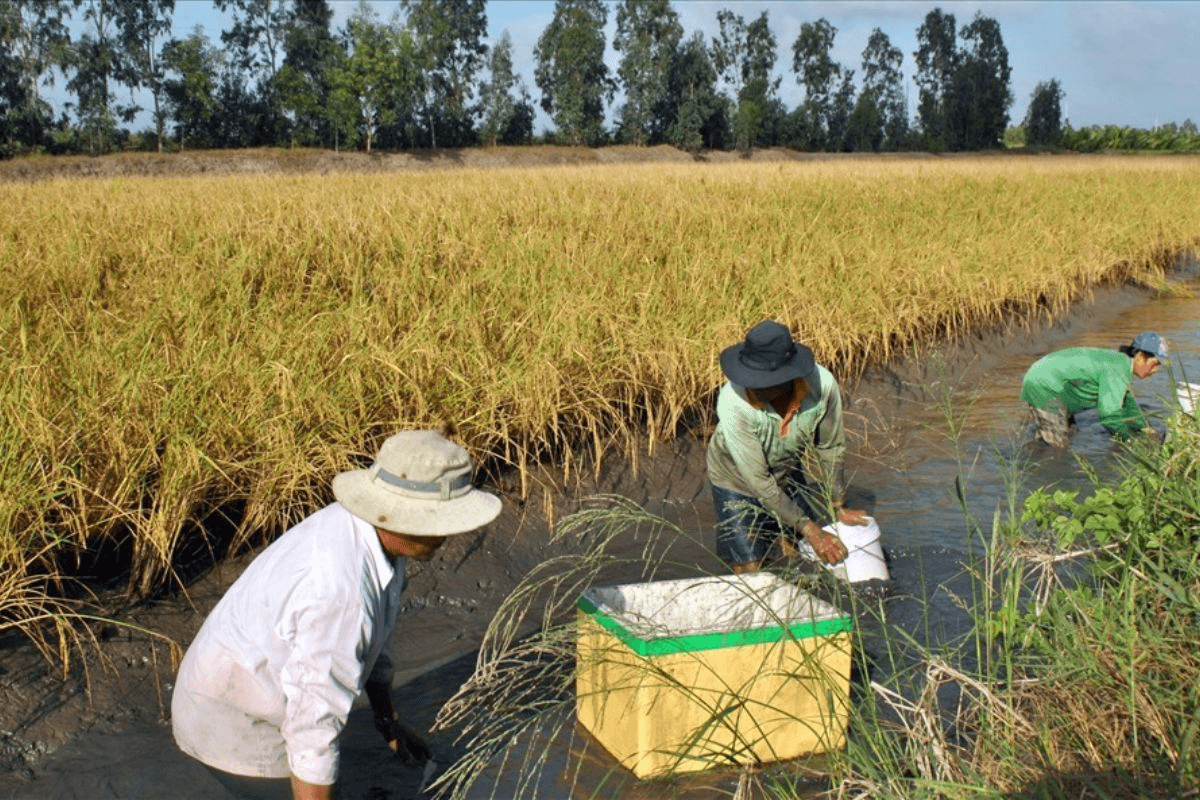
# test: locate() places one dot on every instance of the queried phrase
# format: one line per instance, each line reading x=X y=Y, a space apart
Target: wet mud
x=102 y=733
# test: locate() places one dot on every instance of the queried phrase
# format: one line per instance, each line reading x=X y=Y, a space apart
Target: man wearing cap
x=777 y=405
x=1063 y=383
x=268 y=682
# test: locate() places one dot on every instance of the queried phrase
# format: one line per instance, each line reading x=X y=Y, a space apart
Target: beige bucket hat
x=419 y=484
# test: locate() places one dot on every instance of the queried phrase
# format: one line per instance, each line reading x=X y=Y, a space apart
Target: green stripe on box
x=714 y=641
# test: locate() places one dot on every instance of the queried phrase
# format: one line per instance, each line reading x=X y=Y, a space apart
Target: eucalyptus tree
x=864 y=128
x=449 y=36
x=506 y=105
x=744 y=56
x=964 y=92
x=841 y=111
x=883 y=88
x=142 y=24
x=191 y=71
x=937 y=60
x=303 y=83
x=378 y=75
x=699 y=112
x=571 y=71
x=95 y=61
x=341 y=105
x=255 y=45
x=982 y=91
x=648 y=33
x=33 y=39
x=1043 y=119
x=760 y=92
x=243 y=117
x=821 y=78
x=15 y=101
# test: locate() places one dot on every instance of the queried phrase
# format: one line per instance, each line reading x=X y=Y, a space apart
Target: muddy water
x=904 y=469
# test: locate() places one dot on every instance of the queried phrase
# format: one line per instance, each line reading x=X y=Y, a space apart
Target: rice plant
x=174 y=348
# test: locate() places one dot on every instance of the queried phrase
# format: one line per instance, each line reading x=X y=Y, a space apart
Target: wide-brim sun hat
x=767 y=357
x=420 y=484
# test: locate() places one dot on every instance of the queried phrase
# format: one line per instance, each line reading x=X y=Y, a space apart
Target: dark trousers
x=244 y=787
x=746 y=529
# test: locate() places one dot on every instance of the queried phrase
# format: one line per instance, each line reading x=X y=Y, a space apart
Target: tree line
x=426 y=78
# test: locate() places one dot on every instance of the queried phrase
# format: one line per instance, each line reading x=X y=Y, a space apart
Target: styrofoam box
x=679 y=676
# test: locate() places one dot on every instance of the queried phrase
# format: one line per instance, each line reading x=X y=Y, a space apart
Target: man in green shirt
x=778 y=407
x=1065 y=382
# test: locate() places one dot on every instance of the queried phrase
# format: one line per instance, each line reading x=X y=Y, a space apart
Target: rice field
x=170 y=348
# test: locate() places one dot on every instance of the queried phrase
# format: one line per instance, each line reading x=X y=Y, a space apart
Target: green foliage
x=502 y=112
x=1154 y=508
x=864 y=131
x=449 y=48
x=141 y=23
x=937 y=60
x=883 y=88
x=843 y=109
x=1014 y=136
x=964 y=92
x=33 y=39
x=1043 y=120
x=379 y=76
x=648 y=33
x=95 y=60
x=571 y=71
x=254 y=43
x=303 y=82
x=744 y=55
x=983 y=85
x=284 y=80
x=1114 y=649
x=1104 y=138
x=190 y=87
x=700 y=111
x=818 y=73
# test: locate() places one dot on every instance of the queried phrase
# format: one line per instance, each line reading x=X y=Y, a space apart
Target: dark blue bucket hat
x=767 y=357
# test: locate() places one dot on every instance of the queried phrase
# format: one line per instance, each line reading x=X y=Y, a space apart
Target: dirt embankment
x=271 y=161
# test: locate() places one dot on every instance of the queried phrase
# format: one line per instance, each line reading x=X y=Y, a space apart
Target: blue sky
x=1125 y=63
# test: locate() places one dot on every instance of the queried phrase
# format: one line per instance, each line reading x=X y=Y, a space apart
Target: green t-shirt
x=1086 y=377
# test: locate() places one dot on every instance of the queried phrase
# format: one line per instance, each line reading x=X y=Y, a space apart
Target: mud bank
x=103 y=731
x=277 y=161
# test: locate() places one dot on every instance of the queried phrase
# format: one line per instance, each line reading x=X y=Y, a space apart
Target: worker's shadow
x=368 y=770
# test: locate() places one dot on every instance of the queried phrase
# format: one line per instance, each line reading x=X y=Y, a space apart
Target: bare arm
x=310 y=791
x=403 y=742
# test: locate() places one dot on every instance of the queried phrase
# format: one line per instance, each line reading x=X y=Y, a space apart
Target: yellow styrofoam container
x=680 y=676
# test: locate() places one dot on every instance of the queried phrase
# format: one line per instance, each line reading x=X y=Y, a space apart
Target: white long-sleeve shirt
x=269 y=680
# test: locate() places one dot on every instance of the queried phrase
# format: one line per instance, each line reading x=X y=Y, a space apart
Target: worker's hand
x=408 y=746
x=1152 y=433
x=828 y=547
x=851 y=516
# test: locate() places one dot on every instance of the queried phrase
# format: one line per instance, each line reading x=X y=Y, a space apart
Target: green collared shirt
x=1087 y=377
x=753 y=449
